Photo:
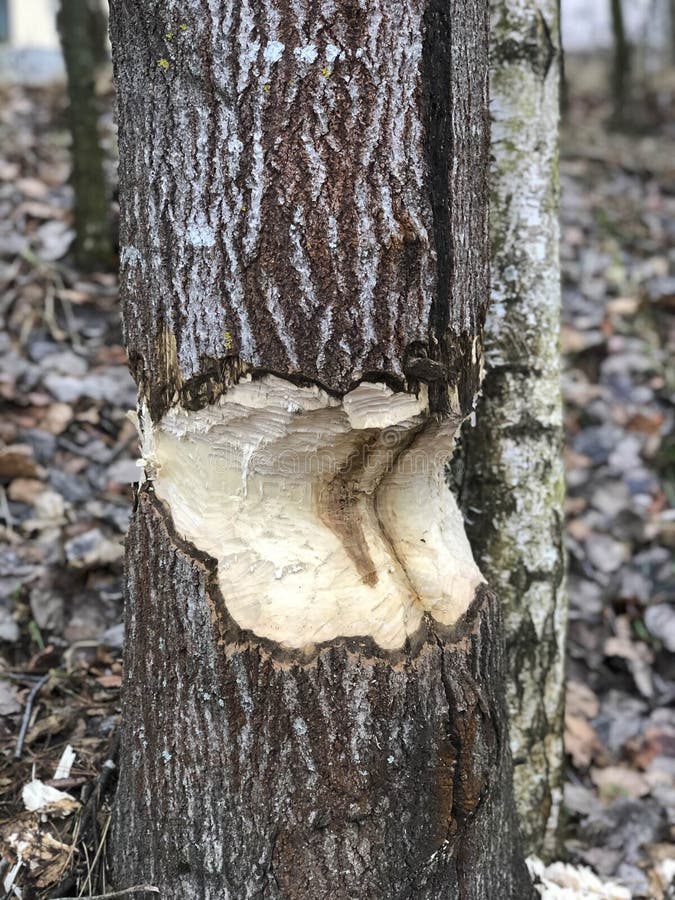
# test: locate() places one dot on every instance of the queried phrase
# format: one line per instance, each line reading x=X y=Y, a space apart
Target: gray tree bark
x=513 y=480
x=314 y=672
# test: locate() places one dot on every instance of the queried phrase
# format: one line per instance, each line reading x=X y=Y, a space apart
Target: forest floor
x=68 y=455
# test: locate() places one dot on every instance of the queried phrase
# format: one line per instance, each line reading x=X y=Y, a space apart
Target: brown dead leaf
x=574 y=460
x=25 y=490
x=110 y=681
x=623 y=645
x=57 y=418
x=74 y=296
x=17 y=461
x=579 y=529
x=623 y=306
x=53 y=172
x=662 y=875
x=8 y=170
x=45 y=857
x=647 y=422
x=114 y=355
x=574 y=506
x=37 y=210
x=31 y=187
x=654 y=742
x=572 y=340
x=580 y=700
x=43 y=660
x=619 y=781
x=637 y=654
x=52 y=724
x=582 y=743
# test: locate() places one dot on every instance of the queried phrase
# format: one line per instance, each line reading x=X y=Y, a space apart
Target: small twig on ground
x=147 y=888
x=5 y=511
x=20 y=676
x=71 y=322
x=28 y=709
x=49 y=316
x=91 y=803
x=90 y=886
x=67 y=784
x=92 y=866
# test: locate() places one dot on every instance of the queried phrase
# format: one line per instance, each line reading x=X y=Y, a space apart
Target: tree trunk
x=81 y=48
x=512 y=490
x=621 y=66
x=314 y=669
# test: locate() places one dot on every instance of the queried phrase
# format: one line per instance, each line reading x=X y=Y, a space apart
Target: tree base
x=250 y=772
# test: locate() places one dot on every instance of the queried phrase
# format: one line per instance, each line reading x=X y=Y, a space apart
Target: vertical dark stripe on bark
x=438 y=85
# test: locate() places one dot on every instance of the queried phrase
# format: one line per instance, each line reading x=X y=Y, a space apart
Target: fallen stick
x=28 y=709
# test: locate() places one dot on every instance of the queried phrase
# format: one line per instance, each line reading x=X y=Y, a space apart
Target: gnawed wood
x=327 y=518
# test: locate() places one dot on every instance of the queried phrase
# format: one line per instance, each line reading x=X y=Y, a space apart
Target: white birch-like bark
x=513 y=487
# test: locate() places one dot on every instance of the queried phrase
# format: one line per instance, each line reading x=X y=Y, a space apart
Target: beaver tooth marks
x=328 y=517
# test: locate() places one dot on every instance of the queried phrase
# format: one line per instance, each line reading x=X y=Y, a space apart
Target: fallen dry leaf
x=17 y=461
x=581 y=741
x=110 y=681
x=25 y=490
x=40 y=797
x=45 y=857
x=57 y=418
x=619 y=781
x=655 y=742
x=580 y=700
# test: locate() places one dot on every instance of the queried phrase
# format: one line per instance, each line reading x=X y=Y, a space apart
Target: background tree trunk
x=621 y=66
x=512 y=489
x=314 y=669
x=81 y=41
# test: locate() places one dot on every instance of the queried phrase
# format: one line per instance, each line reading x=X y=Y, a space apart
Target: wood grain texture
x=303 y=191
x=354 y=774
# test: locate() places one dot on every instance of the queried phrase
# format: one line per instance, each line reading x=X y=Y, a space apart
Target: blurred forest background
x=68 y=450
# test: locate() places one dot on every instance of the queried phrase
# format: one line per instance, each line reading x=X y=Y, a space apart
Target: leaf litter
x=67 y=460
x=67 y=457
x=618 y=335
